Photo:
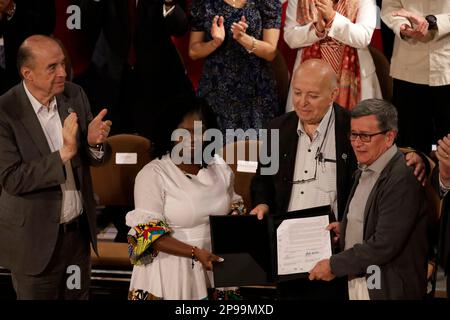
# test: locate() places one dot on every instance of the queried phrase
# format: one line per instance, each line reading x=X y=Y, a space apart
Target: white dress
x=163 y=192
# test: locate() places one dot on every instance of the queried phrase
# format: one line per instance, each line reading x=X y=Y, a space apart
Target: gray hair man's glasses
x=364 y=137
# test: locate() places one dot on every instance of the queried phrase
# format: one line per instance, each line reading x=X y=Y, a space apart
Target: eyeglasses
x=364 y=137
x=309 y=179
x=319 y=158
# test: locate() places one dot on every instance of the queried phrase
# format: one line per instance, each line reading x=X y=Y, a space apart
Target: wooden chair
x=114 y=187
x=114 y=181
x=244 y=150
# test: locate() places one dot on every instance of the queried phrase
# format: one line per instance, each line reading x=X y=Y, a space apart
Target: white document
x=126 y=158
x=301 y=243
x=247 y=166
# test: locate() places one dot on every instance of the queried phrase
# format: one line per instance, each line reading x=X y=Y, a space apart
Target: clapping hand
x=320 y=25
x=309 y=12
x=218 y=30
x=239 y=29
x=98 y=129
x=419 y=29
x=325 y=8
x=69 y=133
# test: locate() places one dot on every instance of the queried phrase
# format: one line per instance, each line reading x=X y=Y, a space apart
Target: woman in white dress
x=169 y=241
x=338 y=31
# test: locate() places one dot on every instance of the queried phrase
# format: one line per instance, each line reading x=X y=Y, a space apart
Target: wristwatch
x=432 y=22
x=97 y=147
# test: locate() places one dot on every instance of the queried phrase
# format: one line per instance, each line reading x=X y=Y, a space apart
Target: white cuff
x=97 y=154
x=443 y=190
x=166 y=13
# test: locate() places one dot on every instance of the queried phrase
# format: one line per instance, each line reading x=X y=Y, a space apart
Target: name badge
x=247 y=166
x=126 y=158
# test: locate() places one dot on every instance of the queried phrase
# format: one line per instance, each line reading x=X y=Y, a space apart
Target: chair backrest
x=244 y=150
x=382 y=67
x=114 y=181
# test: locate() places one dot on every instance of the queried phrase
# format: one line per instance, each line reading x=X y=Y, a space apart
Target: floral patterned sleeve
x=141 y=238
x=237 y=203
x=270 y=14
x=147 y=220
x=198 y=14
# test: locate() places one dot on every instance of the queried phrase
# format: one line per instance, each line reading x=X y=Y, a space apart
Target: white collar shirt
x=52 y=127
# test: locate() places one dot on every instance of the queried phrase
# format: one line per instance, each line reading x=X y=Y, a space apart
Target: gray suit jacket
x=395 y=235
x=30 y=175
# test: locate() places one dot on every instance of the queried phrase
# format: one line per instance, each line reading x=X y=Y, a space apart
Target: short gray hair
x=383 y=110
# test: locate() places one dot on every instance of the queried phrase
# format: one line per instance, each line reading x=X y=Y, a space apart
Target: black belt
x=70 y=226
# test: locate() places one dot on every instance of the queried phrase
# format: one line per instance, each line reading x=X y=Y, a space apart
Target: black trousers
x=423 y=114
x=69 y=271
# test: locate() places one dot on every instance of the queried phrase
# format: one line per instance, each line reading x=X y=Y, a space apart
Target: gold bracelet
x=213 y=43
x=253 y=48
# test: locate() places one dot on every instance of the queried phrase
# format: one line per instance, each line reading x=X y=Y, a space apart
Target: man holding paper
x=316 y=162
x=385 y=223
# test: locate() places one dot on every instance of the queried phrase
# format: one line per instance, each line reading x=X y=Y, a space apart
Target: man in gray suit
x=441 y=183
x=383 y=233
x=48 y=140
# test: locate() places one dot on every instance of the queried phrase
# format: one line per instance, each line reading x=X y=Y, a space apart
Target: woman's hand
x=260 y=210
x=320 y=25
x=239 y=29
x=325 y=8
x=206 y=258
x=309 y=12
x=218 y=30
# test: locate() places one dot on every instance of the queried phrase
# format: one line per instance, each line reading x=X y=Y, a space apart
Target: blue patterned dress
x=240 y=87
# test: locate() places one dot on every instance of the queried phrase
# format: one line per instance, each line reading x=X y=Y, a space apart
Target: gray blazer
x=395 y=239
x=30 y=175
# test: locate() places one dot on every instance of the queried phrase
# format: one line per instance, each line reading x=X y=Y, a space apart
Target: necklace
x=234 y=3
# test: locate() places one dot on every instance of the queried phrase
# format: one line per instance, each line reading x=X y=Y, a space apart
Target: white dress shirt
x=422 y=62
x=323 y=190
x=51 y=125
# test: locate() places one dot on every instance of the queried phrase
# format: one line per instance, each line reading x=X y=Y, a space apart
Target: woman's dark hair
x=172 y=113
